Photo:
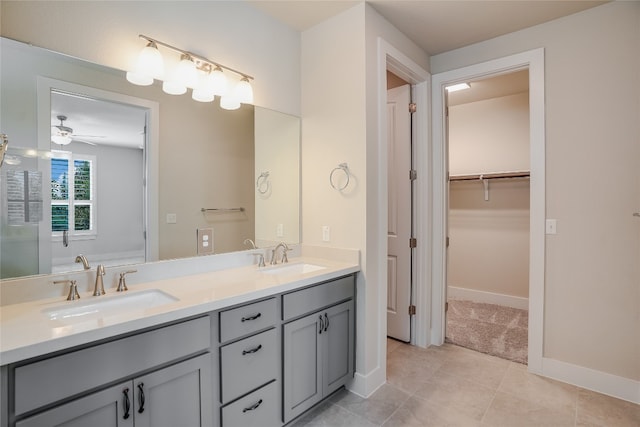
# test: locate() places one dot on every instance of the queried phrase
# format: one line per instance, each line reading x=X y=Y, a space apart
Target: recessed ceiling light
x=457 y=87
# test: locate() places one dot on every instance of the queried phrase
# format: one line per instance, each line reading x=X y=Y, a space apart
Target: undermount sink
x=101 y=307
x=291 y=269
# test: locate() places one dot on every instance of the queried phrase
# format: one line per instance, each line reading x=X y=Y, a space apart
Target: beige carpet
x=488 y=328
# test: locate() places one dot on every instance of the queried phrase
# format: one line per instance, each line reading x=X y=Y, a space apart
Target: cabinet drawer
x=248 y=364
x=258 y=409
x=247 y=319
x=304 y=301
x=50 y=380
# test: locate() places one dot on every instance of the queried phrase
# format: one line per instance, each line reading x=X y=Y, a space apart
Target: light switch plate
x=205 y=241
x=326 y=233
x=172 y=218
x=551 y=226
x=279 y=230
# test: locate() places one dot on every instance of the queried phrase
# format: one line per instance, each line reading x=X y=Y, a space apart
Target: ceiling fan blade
x=83 y=141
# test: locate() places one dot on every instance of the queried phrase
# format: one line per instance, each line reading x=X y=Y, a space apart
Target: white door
x=399 y=226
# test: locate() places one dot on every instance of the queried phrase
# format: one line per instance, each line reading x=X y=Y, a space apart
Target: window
x=73 y=199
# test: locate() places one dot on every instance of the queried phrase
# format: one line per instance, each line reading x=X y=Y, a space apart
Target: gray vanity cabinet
x=318 y=348
x=166 y=398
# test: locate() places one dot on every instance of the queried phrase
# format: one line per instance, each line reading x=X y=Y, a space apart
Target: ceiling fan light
x=229 y=102
x=61 y=139
x=244 y=91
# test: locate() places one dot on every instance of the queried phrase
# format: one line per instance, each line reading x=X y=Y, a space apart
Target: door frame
x=392 y=59
x=532 y=60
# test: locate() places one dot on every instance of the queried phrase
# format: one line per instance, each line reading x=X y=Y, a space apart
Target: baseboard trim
x=487 y=297
x=590 y=379
x=366 y=385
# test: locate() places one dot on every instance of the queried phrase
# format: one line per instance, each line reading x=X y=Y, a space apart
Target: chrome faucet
x=285 y=249
x=99 y=289
x=81 y=258
x=73 y=289
x=249 y=241
x=122 y=284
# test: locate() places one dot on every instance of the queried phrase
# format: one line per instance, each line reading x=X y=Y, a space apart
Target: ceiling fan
x=63 y=135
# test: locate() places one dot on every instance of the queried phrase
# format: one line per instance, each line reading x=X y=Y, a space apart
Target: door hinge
x=413 y=174
x=413 y=242
x=412 y=310
x=413 y=107
x=446 y=111
x=446 y=307
x=447 y=241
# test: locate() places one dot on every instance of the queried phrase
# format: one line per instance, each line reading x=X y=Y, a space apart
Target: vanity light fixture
x=457 y=87
x=203 y=76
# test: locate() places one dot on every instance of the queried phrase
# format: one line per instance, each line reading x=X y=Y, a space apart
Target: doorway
x=488 y=215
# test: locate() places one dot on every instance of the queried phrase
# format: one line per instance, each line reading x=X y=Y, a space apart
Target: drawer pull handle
x=141 y=398
x=253 y=350
x=254 y=317
x=253 y=407
x=127 y=403
x=321 y=324
x=326 y=322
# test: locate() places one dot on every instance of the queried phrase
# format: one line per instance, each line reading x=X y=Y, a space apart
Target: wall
x=340 y=117
x=592 y=277
x=489 y=239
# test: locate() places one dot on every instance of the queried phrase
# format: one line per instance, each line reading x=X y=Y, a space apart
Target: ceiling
x=435 y=26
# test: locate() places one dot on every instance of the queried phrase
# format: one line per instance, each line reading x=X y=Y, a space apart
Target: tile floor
x=454 y=386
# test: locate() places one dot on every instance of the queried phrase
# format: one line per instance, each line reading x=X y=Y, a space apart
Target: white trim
x=390 y=58
x=590 y=379
x=534 y=61
x=366 y=385
x=454 y=292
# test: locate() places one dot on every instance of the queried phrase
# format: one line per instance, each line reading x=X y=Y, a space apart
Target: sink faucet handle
x=122 y=284
x=284 y=253
x=73 y=289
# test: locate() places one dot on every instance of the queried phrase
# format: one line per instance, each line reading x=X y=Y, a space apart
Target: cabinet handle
x=141 y=398
x=253 y=350
x=127 y=403
x=321 y=324
x=326 y=322
x=252 y=407
x=254 y=317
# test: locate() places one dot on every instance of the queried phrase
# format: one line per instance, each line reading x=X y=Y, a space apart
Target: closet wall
x=489 y=239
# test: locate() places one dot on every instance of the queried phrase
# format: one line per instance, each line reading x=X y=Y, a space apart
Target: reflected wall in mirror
x=205 y=158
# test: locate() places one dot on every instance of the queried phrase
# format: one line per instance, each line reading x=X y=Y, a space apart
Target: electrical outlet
x=205 y=241
x=172 y=218
x=326 y=233
x=280 y=230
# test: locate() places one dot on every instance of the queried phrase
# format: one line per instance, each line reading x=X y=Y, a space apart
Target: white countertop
x=25 y=330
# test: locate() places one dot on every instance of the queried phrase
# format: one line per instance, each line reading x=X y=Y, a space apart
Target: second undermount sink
x=290 y=269
x=101 y=307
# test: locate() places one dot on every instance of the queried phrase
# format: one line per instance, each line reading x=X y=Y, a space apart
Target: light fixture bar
x=198 y=58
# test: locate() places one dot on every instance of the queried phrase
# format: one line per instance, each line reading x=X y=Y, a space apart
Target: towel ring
x=262 y=183
x=344 y=168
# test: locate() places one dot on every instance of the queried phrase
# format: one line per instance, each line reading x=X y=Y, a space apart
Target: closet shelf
x=494 y=175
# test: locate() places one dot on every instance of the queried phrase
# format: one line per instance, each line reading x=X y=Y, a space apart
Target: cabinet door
x=106 y=408
x=179 y=395
x=337 y=347
x=302 y=368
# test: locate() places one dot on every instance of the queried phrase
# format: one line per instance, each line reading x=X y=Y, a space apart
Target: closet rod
x=496 y=175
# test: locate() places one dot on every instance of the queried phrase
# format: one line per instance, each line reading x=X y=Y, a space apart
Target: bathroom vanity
x=237 y=347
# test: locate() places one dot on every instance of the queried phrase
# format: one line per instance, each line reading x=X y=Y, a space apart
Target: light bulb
x=148 y=66
x=186 y=72
x=244 y=91
x=61 y=139
x=204 y=92
x=229 y=102
x=173 y=88
x=219 y=82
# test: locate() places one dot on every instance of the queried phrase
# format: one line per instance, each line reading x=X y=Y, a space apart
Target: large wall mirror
x=140 y=173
